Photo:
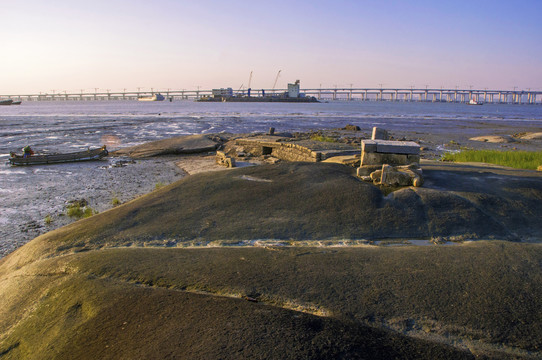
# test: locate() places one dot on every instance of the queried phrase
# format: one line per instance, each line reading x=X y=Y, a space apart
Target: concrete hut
x=388 y=162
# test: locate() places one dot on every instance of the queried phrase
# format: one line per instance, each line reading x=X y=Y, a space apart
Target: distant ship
x=155 y=97
x=474 y=102
x=292 y=95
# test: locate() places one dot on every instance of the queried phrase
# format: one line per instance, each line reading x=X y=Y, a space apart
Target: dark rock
x=351 y=128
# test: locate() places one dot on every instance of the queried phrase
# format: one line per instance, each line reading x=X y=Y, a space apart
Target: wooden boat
x=94 y=154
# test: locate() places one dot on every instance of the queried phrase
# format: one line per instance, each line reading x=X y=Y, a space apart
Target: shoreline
x=41 y=207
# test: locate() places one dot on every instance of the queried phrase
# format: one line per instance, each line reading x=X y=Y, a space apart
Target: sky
x=112 y=45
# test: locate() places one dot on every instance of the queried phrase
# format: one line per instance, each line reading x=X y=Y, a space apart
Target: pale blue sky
x=72 y=45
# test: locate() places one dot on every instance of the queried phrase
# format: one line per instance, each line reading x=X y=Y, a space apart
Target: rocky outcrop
x=178 y=145
x=120 y=284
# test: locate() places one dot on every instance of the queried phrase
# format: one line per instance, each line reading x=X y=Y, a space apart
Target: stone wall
x=287 y=151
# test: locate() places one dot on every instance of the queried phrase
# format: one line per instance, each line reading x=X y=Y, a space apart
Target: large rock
x=397 y=176
x=120 y=285
x=494 y=139
x=178 y=145
x=532 y=136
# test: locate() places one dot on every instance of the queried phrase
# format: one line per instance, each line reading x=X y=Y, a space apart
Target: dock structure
x=332 y=94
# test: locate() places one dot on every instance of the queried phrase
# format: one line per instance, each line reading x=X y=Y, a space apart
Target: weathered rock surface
x=114 y=285
x=178 y=145
x=348 y=160
x=494 y=139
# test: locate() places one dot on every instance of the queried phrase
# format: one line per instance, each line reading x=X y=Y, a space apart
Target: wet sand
x=47 y=190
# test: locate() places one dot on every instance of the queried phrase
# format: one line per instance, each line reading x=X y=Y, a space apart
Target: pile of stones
x=390 y=163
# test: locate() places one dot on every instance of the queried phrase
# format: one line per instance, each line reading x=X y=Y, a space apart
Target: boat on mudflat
x=86 y=155
x=155 y=97
x=9 y=102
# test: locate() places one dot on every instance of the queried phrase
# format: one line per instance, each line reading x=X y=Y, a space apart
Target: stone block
x=368 y=146
x=379 y=134
x=397 y=147
x=390 y=147
x=385 y=173
x=391 y=159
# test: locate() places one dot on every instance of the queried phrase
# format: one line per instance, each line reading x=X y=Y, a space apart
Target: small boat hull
x=88 y=155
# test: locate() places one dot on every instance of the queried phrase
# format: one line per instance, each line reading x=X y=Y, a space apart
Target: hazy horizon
x=114 y=45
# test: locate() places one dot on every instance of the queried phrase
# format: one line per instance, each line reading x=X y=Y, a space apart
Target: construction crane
x=276 y=79
x=249 y=81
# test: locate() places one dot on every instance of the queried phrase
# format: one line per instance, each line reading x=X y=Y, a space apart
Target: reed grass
x=514 y=159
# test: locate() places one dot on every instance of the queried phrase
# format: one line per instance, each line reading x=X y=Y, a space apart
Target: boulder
x=224 y=160
x=350 y=127
x=396 y=176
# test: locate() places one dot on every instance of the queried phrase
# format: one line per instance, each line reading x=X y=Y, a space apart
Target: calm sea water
x=65 y=126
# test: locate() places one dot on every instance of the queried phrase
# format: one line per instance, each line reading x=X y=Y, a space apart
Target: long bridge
x=359 y=94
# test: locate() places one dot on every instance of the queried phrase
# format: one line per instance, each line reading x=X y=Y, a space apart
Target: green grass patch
x=115 y=201
x=514 y=159
x=322 y=138
x=80 y=212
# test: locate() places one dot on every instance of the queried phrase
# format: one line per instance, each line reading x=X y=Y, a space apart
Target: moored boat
x=474 y=102
x=155 y=97
x=86 y=155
